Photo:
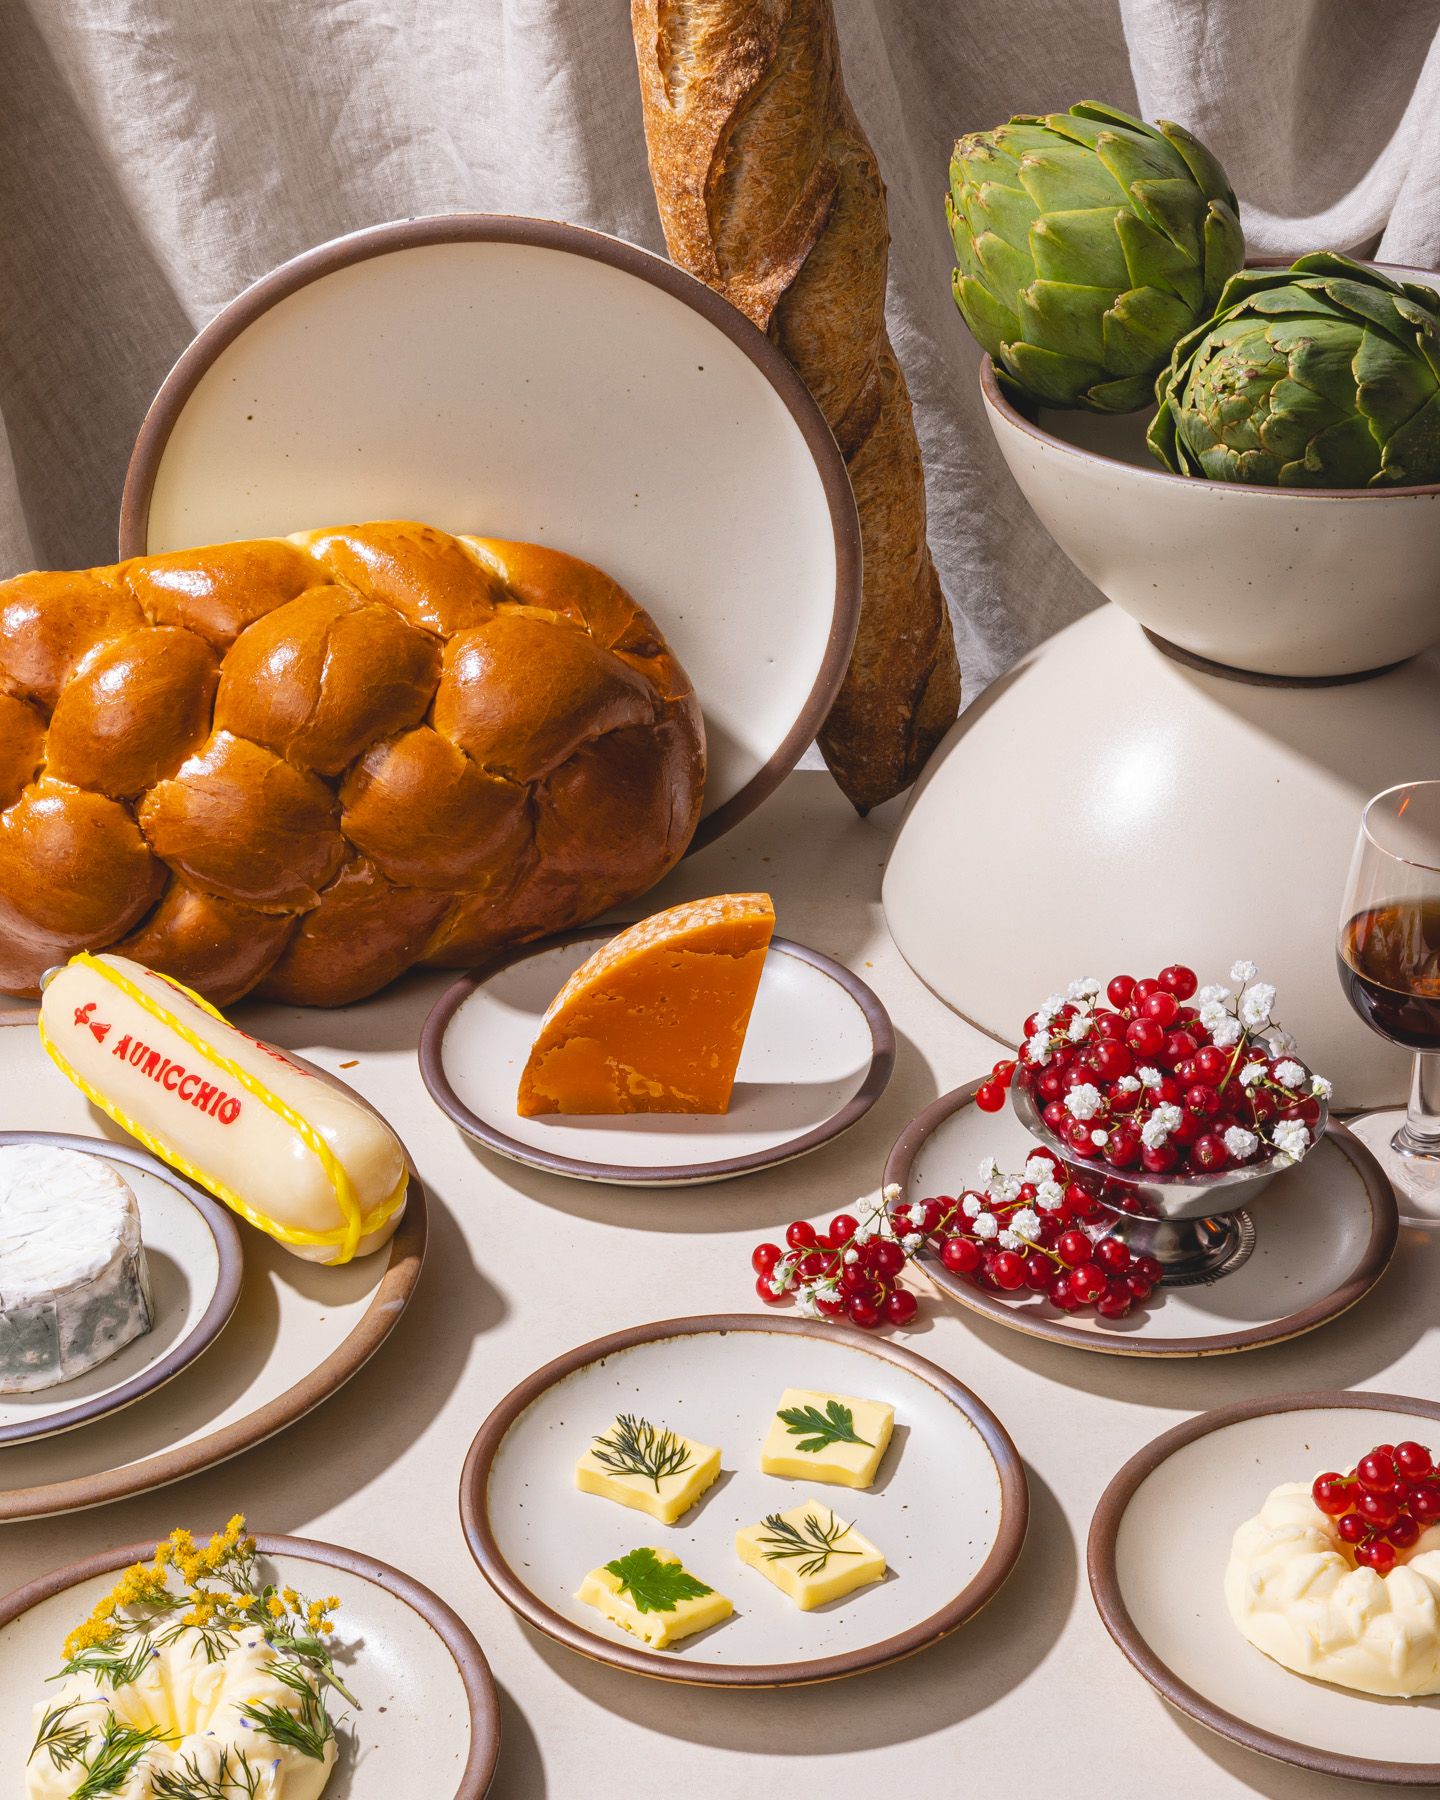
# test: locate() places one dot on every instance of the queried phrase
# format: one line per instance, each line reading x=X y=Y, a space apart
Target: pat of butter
x=607 y=1593
x=825 y=1559
x=665 y=1498
x=843 y=1462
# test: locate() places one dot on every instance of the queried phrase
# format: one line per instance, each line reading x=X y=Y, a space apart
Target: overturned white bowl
x=1281 y=581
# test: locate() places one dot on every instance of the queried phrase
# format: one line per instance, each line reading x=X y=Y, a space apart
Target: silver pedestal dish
x=1197 y=1227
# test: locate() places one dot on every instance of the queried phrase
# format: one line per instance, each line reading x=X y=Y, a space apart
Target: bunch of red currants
x=1381 y=1507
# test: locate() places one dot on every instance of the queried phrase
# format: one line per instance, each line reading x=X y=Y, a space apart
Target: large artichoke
x=1325 y=374
x=1089 y=243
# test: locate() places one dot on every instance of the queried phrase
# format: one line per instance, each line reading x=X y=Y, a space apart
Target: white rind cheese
x=74 y=1284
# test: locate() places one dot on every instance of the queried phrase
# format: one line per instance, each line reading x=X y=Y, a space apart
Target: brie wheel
x=74 y=1284
x=1295 y=1594
x=196 y=1703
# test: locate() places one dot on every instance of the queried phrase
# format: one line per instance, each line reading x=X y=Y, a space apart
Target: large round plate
x=1325 y=1233
x=529 y=379
x=428 y=1721
x=196 y=1265
x=949 y=1506
x=1188 y=1491
x=818 y=1054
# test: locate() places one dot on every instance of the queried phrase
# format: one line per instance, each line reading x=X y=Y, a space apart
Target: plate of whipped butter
x=739 y=1501
x=226 y=1666
x=1273 y=1570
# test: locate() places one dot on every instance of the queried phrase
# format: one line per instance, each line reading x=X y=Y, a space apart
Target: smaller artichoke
x=1325 y=374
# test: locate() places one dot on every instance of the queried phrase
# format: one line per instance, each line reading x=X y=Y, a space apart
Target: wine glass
x=1388 y=953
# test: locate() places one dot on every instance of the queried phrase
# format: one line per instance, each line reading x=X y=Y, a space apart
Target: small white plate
x=428 y=1722
x=1324 y=1235
x=527 y=379
x=1159 y=1546
x=818 y=1054
x=948 y=1508
x=196 y=1267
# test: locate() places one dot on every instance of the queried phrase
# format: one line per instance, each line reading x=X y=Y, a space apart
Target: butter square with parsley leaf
x=827 y=1437
x=649 y=1467
x=810 y=1553
x=652 y=1595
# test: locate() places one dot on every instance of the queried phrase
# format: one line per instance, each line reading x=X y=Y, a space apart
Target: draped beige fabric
x=156 y=156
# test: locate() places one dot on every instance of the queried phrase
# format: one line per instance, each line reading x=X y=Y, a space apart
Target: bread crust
x=770 y=193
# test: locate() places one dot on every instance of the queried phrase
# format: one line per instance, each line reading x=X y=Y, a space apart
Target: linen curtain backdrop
x=157 y=156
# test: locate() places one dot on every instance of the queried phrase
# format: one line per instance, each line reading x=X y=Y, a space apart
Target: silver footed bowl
x=1187 y=1196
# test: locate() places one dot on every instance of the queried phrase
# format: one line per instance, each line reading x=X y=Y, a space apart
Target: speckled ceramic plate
x=196 y=1266
x=818 y=1054
x=297 y=1334
x=1325 y=1233
x=948 y=1507
x=1187 y=1492
x=428 y=1722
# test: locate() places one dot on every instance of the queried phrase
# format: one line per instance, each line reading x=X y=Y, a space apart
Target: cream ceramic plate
x=428 y=1721
x=948 y=1507
x=528 y=379
x=1159 y=1546
x=297 y=1334
x=818 y=1054
x=192 y=1246
x=1325 y=1233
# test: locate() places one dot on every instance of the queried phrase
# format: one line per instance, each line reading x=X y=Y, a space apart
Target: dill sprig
x=189 y=1782
x=308 y=1729
x=66 y=1743
x=814 y=1541
x=119 y=1661
x=119 y=1749
x=638 y=1448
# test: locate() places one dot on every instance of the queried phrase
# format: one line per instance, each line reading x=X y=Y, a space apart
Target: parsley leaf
x=653 y=1585
x=836 y=1425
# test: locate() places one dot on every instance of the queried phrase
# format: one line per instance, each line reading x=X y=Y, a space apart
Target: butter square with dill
x=653 y=1596
x=810 y=1553
x=650 y=1467
x=827 y=1437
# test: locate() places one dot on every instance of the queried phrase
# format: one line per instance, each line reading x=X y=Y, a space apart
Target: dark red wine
x=1389 y=959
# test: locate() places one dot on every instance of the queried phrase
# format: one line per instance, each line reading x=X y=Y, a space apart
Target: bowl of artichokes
x=1246 y=460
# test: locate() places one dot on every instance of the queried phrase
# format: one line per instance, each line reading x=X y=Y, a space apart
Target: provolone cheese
x=295 y=1155
x=655 y=1021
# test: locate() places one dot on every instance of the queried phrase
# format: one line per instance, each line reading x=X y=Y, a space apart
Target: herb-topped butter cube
x=648 y=1467
x=810 y=1553
x=827 y=1437
x=652 y=1595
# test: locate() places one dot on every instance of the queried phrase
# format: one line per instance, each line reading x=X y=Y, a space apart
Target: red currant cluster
x=847 y=1272
x=1383 y=1504
x=1026 y=1231
x=1151 y=1081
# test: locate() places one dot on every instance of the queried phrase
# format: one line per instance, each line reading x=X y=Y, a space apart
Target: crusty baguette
x=769 y=192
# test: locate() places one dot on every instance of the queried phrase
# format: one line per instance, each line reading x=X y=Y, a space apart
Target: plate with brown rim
x=1191 y=1488
x=818 y=1055
x=192 y=1248
x=428 y=1721
x=297 y=1334
x=1324 y=1235
x=948 y=1506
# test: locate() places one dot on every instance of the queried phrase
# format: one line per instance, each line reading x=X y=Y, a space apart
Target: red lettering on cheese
x=189 y=1088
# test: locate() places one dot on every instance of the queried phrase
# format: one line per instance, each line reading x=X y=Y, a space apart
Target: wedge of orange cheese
x=656 y=1019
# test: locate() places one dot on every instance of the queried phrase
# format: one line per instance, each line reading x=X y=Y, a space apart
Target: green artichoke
x=1325 y=374
x=1089 y=243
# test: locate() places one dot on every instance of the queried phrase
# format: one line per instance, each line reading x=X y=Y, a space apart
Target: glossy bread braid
x=301 y=765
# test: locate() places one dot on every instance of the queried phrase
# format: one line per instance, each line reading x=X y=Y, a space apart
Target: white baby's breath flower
x=1052 y=1003
x=890 y=1193
x=1079 y=1028
x=1212 y=1013
x=971 y=1206
x=864 y=1233
x=911 y=1242
x=1251 y=1073
x=1083 y=989
x=986 y=1225
x=1240 y=1142
x=1255 y=1004
x=1049 y=1196
x=1280 y=1043
x=1157 y=1128
x=805 y=1303
x=1226 y=1034
x=1209 y=996
x=1244 y=971
x=1005 y=1188
x=988 y=1170
x=1320 y=1087
x=1291 y=1139
x=1009 y=1241
x=852 y=1256
x=1128 y=1084
x=1037 y=1049
x=1151 y=1078
x=1083 y=1101
x=1026 y=1222
x=1100 y=1139
x=1290 y=1072
x=1037 y=1169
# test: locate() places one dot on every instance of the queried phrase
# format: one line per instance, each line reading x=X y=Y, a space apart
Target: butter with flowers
x=192 y=1679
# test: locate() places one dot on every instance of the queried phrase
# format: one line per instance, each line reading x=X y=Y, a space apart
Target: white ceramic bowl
x=1283 y=581
x=526 y=379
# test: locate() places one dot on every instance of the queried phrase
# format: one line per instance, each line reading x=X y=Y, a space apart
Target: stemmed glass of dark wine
x=1388 y=954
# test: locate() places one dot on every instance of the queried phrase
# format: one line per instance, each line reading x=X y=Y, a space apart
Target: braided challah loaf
x=301 y=765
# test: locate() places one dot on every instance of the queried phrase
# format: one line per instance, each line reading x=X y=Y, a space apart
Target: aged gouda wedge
x=654 y=1022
